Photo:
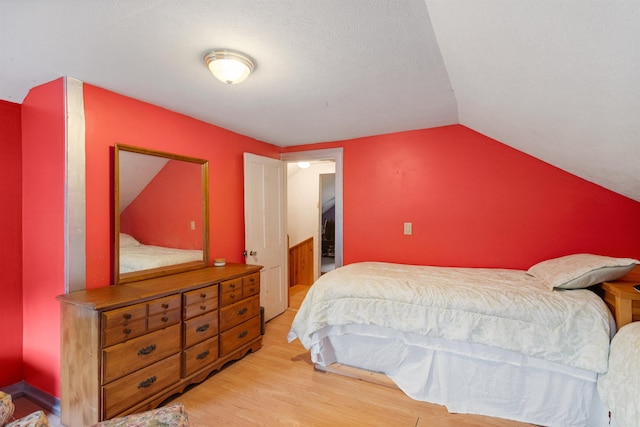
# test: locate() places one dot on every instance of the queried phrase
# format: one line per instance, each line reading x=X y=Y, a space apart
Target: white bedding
x=144 y=257
x=505 y=309
x=619 y=387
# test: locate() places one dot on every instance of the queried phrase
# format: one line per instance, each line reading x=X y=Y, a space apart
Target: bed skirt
x=468 y=378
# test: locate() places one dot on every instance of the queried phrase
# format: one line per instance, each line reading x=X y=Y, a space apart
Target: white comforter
x=501 y=308
x=619 y=387
x=144 y=257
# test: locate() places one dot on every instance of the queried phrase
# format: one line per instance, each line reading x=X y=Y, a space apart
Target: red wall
x=43 y=216
x=152 y=216
x=473 y=202
x=112 y=118
x=11 y=248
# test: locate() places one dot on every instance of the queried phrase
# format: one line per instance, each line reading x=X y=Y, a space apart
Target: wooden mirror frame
x=121 y=278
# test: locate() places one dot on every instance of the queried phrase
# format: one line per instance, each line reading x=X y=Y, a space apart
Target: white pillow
x=581 y=270
x=128 y=241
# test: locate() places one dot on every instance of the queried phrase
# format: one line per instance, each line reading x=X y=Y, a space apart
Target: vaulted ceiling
x=558 y=79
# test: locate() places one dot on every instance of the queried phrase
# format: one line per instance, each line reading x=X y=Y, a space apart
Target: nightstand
x=623 y=301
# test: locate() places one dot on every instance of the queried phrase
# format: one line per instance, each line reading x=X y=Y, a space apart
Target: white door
x=265 y=232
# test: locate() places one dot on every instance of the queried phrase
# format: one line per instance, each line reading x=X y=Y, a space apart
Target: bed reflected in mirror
x=161 y=213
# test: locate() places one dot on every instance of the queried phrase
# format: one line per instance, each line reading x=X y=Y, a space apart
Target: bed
x=522 y=345
x=135 y=256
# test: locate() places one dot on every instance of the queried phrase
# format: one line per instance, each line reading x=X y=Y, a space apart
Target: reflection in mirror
x=161 y=213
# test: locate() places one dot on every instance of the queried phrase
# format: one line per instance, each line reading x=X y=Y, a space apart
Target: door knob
x=253 y=253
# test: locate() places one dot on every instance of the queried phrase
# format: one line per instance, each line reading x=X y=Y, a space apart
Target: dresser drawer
x=123 y=316
x=134 y=388
x=200 y=328
x=200 y=355
x=238 y=336
x=164 y=305
x=202 y=294
x=120 y=333
x=123 y=324
x=162 y=320
x=231 y=285
x=239 y=312
x=200 y=301
x=134 y=354
x=230 y=297
x=251 y=285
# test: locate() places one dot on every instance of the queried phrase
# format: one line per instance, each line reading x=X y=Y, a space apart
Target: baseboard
x=37 y=396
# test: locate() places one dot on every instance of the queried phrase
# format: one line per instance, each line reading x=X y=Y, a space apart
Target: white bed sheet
x=466 y=377
x=144 y=257
x=505 y=309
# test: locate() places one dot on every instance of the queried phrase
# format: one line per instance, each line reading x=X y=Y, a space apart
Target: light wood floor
x=278 y=386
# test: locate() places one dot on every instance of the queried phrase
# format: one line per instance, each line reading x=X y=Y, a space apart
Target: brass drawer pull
x=252 y=290
x=148 y=382
x=202 y=328
x=165 y=305
x=147 y=350
x=165 y=319
x=127 y=316
x=243 y=334
x=127 y=331
x=242 y=311
x=232 y=285
x=203 y=307
x=202 y=355
x=203 y=295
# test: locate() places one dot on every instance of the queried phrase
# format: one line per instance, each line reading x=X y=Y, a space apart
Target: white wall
x=303 y=205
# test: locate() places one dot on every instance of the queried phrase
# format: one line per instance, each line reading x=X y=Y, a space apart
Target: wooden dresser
x=127 y=348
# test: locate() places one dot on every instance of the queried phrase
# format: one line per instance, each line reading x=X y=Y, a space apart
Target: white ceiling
x=558 y=79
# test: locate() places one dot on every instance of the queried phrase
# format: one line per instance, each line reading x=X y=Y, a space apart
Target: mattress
x=500 y=308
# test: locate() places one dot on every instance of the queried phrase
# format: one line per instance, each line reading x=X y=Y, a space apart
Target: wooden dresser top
x=116 y=296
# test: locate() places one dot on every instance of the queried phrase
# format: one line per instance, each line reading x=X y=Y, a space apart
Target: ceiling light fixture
x=303 y=165
x=229 y=66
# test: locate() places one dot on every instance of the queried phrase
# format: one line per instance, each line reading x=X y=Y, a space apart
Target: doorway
x=327 y=216
x=329 y=163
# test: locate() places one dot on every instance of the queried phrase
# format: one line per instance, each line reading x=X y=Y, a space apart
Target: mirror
x=161 y=204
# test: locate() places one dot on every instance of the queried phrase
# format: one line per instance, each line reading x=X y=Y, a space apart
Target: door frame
x=333 y=154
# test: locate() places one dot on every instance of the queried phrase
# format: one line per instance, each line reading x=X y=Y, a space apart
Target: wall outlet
x=193 y=225
x=408 y=228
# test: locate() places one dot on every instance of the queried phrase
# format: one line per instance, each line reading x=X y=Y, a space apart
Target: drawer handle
x=203 y=295
x=165 y=305
x=242 y=311
x=127 y=316
x=232 y=285
x=147 y=350
x=252 y=289
x=202 y=355
x=252 y=280
x=203 y=307
x=242 y=334
x=165 y=319
x=127 y=331
x=202 y=328
x=148 y=382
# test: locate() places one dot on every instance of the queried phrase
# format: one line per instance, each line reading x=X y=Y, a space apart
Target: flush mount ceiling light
x=229 y=66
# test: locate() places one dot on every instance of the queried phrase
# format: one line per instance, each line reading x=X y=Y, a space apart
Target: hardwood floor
x=278 y=386
x=25 y=407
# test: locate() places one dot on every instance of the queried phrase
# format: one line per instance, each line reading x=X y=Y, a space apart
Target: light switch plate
x=408 y=228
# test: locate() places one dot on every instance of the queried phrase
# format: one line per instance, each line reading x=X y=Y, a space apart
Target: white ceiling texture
x=558 y=79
